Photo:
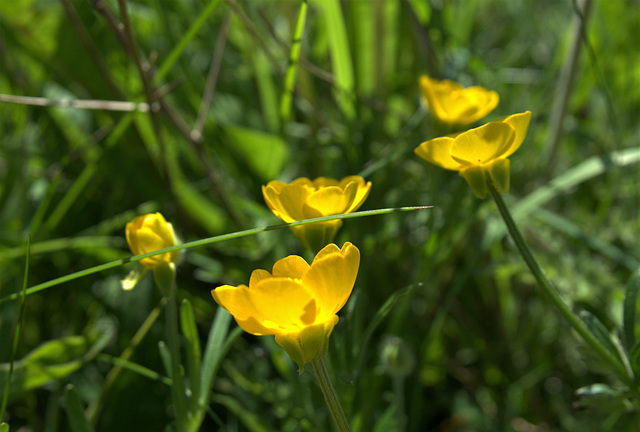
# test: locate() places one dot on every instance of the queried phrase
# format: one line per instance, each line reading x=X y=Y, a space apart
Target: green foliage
x=75 y=411
x=491 y=353
x=53 y=360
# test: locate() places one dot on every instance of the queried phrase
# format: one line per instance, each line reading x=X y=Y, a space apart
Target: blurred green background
x=445 y=330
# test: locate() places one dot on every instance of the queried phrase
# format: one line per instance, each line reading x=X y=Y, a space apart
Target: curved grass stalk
x=202 y=242
x=552 y=293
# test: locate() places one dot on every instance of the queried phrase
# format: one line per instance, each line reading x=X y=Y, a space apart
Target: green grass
x=485 y=350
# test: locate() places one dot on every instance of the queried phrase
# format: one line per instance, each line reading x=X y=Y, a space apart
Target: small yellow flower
x=306 y=199
x=149 y=233
x=296 y=302
x=480 y=154
x=451 y=103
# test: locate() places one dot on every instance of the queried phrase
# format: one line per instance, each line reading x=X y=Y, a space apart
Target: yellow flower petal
x=520 y=123
x=148 y=241
x=282 y=301
x=285 y=201
x=451 y=103
x=438 y=152
x=483 y=144
x=257 y=275
x=433 y=89
x=323 y=182
x=480 y=154
x=277 y=304
x=361 y=194
x=237 y=301
x=306 y=199
x=329 y=201
x=303 y=181
x=331 y=277
x=150 y=233
x=328 y=250
x=292 y=266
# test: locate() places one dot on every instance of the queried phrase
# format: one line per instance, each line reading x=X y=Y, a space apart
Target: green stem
x=565 y=83
x=552 y=293
x=16 y=333
x=294 y=56
x=165 y=278
x=330 y=395
x=179 y=399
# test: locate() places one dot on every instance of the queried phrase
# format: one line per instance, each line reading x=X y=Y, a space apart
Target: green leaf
x=634 y=358
x=52 y=360
x=629 y=310
x=134 y=367
x=266 y=154
x=213 y=353
x=75 y=411
x=602 y=398
x=292 y=68
x=165 y=356
x=363 y=22
x=340 y=55
x=4 y=427
x=190 y=333
x=601 y=333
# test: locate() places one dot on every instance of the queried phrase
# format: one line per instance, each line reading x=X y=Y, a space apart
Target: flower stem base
x=330 y=395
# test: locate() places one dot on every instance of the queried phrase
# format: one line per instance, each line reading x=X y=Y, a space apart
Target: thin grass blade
x=192 y=346
x=340 y=56
x=16 y=333
x=206 y=241
x=213 y=354
x=292 y=68
x=177 y=51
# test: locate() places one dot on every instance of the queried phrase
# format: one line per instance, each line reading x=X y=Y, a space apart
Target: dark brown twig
x=91 y=48
x=157 y=102
x=92 y=104
x=424 y=42
x=212 y=78
x=254 y=33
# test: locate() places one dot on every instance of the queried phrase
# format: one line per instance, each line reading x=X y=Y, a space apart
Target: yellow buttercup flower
x=149 y=233
x=480 y=154
x=296 y=302
x=451 y=103
x=306 y=199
